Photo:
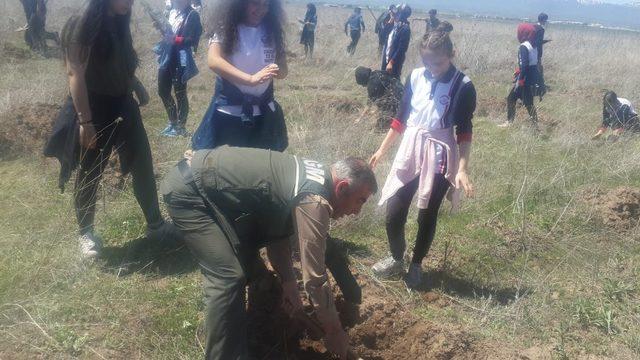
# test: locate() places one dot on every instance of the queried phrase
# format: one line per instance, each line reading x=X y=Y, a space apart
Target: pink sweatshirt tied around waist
x=417 y=157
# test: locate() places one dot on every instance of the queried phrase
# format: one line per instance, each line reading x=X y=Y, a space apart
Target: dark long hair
x=311 y=11
x=225 y=18
x=88 y=31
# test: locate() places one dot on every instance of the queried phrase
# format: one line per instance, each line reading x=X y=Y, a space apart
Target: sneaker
x=414 y=276
x=89 y=245
x=181 y=131
x=505 y=124
x=169 y=131
x=165 y=233
x=388 y=267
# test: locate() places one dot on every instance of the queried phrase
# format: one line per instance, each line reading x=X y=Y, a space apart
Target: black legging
x=178 y=109
x=396 y=218
x=118 y=124
x=527 y=94
x=355 y=37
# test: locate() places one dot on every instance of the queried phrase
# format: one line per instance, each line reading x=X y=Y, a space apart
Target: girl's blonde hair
x=438 y=40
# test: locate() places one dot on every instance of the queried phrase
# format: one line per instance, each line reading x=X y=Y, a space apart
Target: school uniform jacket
x=397 y=50
x=438 y=104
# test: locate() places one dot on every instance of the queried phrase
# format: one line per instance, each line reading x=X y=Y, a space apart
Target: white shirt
x=624 y=101
x=427 y=111
x=251 y=54
x=533 y=53
x=176 y=19
x=389 y=41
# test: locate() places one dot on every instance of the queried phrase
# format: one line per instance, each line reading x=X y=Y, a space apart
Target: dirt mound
x=618 y=208
x=380 y=328
x=389 y=331
x=25 y=128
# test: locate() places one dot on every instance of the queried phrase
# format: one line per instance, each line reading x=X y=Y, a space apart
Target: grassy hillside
x=544 y=262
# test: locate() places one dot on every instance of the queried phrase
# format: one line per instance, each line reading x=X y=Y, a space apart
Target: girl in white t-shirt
x=246 y=51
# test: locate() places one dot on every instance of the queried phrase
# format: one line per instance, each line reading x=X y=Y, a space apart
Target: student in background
x=307 y=38
x=101 y=115
x=384 y=25
x=395 y=49
x=618 y=114
x=246 y=52
x=354 y=27
x=432 y=22
x=174 y=71
x=539 y=44
x=526 y=76
x=435 y=123
x=36 y=35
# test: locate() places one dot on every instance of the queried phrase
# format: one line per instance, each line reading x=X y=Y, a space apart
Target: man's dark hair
x=362 y=75
x=433 y=12
x=357 y=172
x=543 y=17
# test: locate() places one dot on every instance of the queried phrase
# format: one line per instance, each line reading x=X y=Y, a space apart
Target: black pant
x=396 y=218
x=308 y=40
x=178 y=109
x=118 y=124
x=230 y=130
x=355 y=37
x=525 y=93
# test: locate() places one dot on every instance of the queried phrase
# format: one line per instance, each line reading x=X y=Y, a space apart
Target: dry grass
x=527 y=264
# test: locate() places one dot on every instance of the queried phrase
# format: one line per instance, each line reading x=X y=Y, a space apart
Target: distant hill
x=584 y=11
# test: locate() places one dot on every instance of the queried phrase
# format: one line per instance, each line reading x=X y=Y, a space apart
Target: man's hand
x=88 y=136
x=291 y=301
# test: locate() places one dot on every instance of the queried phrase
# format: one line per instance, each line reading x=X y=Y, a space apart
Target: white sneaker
x=505 y=124
x=414 y=276
x=388 y=267
x=89 y=245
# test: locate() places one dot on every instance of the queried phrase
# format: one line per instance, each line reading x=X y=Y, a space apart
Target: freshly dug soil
x=380 y=328
x=24 y=128
x=617 y=208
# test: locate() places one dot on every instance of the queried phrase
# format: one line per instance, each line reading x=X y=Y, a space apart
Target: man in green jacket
x=230 y=202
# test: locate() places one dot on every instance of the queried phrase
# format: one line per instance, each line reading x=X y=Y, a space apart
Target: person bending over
x=226 y=213
x=618 y=114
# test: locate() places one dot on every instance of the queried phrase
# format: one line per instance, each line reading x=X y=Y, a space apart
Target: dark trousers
x=178 y=108
x=355 y=37
x=225 y=271
x=308 y=40
x=526 y=93
x=230 y=130
x=118 y=124
x=396 y=218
